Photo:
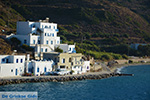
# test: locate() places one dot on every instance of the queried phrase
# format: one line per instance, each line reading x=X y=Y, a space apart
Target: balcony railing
x=57 y=30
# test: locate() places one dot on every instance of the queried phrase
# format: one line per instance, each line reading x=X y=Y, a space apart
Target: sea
x=135 y=87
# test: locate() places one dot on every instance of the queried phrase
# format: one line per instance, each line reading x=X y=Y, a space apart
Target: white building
x=78 y=69
x=28 y=33
x=40 y=67
x=11 y=65
x=86 y=66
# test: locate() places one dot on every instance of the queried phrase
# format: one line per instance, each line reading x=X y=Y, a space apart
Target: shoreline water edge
x=95 y=75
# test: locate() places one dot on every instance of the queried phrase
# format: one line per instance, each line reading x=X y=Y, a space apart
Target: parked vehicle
x=61 y=72
x=49 y=73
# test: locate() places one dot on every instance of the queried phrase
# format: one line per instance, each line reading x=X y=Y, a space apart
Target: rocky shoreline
x=58 y=78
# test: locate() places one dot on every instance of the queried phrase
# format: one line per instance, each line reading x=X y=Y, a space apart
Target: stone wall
x=58 y=78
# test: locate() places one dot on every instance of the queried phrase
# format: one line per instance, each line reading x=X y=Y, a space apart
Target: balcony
x=57 y=30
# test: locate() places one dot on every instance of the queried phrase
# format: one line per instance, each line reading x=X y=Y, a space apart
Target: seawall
x=58 y=78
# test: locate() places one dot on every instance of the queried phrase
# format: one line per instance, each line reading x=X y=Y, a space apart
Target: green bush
x=58 y=50
x=106 y=57
x=117 y=56
x=124 y=56
x=26 y=47
x=15 y=41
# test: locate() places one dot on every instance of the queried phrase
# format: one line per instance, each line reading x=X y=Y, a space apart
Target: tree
x=15 y=41
x=58 y=50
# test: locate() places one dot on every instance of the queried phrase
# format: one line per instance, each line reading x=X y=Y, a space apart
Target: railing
x=57 y=30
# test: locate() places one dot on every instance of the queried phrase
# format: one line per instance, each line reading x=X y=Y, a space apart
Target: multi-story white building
x=42 y=35
x=11 y=65
x=40 y=67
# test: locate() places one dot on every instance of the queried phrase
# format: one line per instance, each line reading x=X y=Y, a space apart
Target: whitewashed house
x=40 y=67
x=47 y=39
x=80 y=69
x=86 y=67
x=11 y=65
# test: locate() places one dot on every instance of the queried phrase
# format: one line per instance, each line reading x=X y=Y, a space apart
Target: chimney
x=28 y=57
x=47 y=19
x=14 y=52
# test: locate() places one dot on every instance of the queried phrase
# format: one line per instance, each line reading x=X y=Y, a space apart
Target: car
x=61 y=72
x=47 y=73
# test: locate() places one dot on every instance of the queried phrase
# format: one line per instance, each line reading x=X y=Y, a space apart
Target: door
x=16 y=71
x=45 y=69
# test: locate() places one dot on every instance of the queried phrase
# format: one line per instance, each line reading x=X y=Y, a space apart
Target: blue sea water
x=135 y=87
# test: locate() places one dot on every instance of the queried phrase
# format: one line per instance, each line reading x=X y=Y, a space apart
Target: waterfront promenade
x=90 y=75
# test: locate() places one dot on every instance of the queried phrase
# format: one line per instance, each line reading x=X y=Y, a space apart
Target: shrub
x=26 y=47
x=130 y=61
x=115 y=56
x=124 y=56
x=58 y=50
x=106 y=57
x=15 y=41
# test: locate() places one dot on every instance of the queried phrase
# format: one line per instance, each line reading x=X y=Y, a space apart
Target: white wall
x=86 y=66
x=12 y=58
x=9 y=70
x=77 y=69
x=41 y=65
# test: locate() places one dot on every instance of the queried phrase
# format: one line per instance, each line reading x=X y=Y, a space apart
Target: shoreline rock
x=59 y=78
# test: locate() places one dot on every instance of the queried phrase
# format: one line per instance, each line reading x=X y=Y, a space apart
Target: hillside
x=100 y=24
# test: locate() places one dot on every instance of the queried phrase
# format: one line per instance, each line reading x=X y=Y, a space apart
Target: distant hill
x=92 y=24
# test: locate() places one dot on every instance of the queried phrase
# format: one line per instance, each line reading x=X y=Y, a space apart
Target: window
x=38 y=54
x=69 y=59
x=25 y=41
x=47 y=42
x=87 y=67
x=49 y=26
x=33 y=41
x=63 y=60
x=54 y=27
x=46 y=50
x=57 y=42
x=45 y=34
x=58 y=59
x=21 y=60
x=62 y=66
x=41 y=49
x=46 y=26
x=51 y=42
x=45 y=69
x=52 y=34
x=11 y=70
x=38 y=69
x=3 y=60
x=38 y=41
x=16 y=60
x=69 y=49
